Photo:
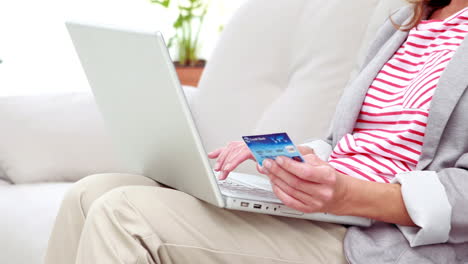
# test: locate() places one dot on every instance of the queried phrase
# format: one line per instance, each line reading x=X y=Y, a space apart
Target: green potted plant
x=186 y=39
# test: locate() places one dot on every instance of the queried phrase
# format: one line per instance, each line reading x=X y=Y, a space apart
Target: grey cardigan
x=436 y=193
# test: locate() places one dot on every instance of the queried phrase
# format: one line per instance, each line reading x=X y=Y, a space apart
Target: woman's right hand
x=236 y=152
x=229 y=157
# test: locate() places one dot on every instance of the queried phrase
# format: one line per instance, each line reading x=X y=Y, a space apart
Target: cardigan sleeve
x=428 y=206
x=437 y=202
x=322 y=148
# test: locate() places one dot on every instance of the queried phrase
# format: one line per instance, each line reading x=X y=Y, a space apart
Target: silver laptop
x=137 y=90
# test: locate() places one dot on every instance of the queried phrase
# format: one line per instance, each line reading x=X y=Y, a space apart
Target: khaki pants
x=104 y=219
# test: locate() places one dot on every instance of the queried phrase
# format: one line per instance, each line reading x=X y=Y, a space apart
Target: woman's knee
x=115 y=221
x=117 y=211
x=146 y=202
x=84 y=192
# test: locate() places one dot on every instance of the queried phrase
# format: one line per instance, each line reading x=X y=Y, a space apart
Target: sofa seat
x=28 y=213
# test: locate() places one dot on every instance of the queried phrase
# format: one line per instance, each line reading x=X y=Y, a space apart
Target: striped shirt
x=388 y=134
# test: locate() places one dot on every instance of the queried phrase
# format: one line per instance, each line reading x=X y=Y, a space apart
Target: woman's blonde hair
x=421 y=7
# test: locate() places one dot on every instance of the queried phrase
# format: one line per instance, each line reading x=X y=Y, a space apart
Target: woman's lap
x=148 y=224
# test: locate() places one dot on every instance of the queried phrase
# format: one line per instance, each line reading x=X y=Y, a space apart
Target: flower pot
x=190 y=75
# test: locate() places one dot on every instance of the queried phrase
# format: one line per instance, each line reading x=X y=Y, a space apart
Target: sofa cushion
x=280 y=66
x=55 y=137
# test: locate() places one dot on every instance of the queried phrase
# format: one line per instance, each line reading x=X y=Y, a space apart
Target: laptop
x=145 y=110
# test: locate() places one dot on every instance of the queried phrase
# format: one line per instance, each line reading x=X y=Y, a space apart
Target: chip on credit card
x=270 y=146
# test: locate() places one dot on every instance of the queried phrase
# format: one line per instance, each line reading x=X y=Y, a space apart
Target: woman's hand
x=236 y=152
x=315 y=186
x=310 y=186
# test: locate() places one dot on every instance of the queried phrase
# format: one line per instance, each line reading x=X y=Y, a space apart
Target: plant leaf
x=179 y=22
x=171 y=41
x=164 y=3
x=187 y=25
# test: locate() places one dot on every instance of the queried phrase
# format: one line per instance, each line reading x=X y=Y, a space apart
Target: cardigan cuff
x=428 y=206
x=321 y=148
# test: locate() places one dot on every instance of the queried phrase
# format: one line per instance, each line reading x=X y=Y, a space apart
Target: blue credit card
x=271 y=146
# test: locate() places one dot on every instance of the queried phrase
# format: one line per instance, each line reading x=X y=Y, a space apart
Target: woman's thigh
x=158 y=225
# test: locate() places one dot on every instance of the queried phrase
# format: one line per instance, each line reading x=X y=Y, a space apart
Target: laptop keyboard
x=234 y=189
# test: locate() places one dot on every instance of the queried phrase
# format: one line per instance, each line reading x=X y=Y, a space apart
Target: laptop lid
x=137 y=90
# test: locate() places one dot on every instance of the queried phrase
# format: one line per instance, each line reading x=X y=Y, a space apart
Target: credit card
x=270 y=146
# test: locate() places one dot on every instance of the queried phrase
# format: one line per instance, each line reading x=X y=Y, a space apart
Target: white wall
x=38 y=55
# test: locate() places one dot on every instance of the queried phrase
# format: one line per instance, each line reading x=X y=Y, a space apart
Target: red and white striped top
x=388 y=135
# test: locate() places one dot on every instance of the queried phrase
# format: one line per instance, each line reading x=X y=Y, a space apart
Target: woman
x=400 y=156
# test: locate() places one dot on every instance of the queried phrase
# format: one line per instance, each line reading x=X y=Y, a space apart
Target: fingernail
x=267 y=164
x=227 y=167
x=217 y=166
x=280 y=160
x=221 y=176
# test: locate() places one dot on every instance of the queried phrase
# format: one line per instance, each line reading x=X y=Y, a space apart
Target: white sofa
x=280 y=65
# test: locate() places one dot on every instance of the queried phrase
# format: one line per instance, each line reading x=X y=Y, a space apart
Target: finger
x=313 y=159
x=292 y=180
x=306 y=171
x=288 y=200
x=214 y=154
x=305 y=150
x=261 y=169
x=222 y=157
x=313 y=204
x=225 y=168
x=223 y=175
x=235 y=158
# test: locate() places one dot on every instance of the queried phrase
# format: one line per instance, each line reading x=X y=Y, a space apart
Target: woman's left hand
x=310 y=186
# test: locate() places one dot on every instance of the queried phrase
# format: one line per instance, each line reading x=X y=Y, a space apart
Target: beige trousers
x=121 y=218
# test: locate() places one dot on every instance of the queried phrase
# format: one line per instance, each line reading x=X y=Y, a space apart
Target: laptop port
x=257 y=206
x=244 y=204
